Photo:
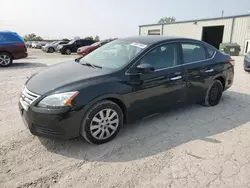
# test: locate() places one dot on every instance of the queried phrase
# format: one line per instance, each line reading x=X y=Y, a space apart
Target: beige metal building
x=233 y=29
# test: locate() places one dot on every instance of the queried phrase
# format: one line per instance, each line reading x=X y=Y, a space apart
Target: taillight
x=19 y=44
x=232 y=61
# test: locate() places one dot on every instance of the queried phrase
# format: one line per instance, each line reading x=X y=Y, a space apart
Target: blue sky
x=106 y=18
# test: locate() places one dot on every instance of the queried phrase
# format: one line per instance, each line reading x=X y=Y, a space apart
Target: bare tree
x=166 y=20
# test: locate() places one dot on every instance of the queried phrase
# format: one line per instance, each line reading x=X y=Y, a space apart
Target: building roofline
x=198 y=20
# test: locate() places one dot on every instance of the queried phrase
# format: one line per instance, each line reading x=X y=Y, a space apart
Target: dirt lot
x=193 y=146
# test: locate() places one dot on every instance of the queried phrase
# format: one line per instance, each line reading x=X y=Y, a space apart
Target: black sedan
x=93 y=96
x=247 y=62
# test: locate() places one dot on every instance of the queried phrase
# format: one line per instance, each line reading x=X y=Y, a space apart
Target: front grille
x=27 y=98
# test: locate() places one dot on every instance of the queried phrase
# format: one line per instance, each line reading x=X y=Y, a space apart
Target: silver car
x=50 y=48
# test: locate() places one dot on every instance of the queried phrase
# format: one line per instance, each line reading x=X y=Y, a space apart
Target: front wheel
x=67 y=51
x=214 y=94
x=51 y=50
x=102 y=122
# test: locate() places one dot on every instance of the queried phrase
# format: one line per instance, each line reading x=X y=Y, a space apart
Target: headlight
x=22 y=89
x=58 y=100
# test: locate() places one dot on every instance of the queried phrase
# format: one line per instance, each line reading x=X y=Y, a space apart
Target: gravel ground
x=193 y=146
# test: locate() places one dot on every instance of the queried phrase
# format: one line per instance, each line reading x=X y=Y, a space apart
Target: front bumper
x=60 y=124
x=44 y=49
x=81 y=53
x=20 y=55
x=59 y=50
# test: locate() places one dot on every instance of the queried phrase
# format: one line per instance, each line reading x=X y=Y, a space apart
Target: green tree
x=166 y=20
x=97 y=38
x=90 y=37
x=32 y=37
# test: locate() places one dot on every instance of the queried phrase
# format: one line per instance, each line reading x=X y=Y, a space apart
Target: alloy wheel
x=68 y=51
x=5 y=60
x=104 y=124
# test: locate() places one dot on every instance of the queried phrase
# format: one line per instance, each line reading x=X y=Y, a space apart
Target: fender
x=108 y=97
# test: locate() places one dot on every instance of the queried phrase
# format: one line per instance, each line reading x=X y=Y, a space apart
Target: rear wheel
x=5 y=59
x=102 y=122
x=214 y=94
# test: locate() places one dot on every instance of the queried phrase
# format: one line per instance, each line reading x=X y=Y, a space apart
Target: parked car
x=96 y=94
x=39 y=45
x=87 y=49
x=34 y=44
x=73 y=45
x=50 y=48
x=12 y=47
x=28 y=44
x=247 y=62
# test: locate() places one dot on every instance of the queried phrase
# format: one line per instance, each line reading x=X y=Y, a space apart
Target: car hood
x=60 y=75
x=48 y=45
x=84 y=47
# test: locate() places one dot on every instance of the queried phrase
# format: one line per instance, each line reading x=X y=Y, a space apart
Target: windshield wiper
x=91 y=65
x=78 y=59
x=86 y=63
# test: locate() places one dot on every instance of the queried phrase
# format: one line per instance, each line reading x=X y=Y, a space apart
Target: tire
x=5 y=59
x=213 y=94
x=67 y=51
x=95 y=129
x=51 y=50
x=247 y=70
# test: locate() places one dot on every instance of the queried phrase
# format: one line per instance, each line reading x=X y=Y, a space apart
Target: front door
x=77 y=45
x=162 y=88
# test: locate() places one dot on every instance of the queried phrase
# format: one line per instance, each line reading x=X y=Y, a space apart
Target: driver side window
x=161 y=57
x=78 y=42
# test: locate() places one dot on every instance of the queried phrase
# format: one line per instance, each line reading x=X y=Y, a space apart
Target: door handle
x=210 y=70
x=176 y=78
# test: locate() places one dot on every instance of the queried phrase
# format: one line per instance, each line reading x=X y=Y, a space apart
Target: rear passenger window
x=2 y=38
x=210 y=52
x=88 y=42
x=193 y=52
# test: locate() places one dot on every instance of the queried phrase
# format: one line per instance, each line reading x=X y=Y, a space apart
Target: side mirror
x=145 y=68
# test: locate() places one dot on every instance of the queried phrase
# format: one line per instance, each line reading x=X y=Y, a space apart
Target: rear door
x=199 y=70
x=88 y=42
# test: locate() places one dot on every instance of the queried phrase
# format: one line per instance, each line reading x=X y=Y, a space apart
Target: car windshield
x=71 y=42
x=53 y=43
x=95 y=44
x=114 y=54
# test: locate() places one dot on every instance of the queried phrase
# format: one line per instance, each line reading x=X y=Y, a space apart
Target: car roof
x=153 y=39
x=6 y=32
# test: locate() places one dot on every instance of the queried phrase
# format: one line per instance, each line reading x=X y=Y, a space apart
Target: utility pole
x=222 y=13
